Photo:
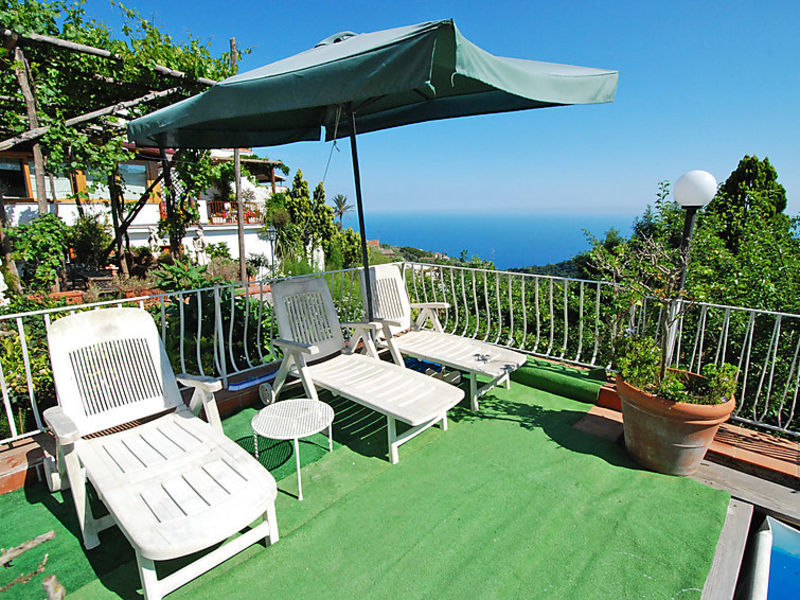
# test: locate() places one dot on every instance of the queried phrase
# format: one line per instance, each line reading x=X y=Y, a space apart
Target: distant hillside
x=565 y=268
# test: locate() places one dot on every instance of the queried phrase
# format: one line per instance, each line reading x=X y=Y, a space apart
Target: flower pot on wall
x=665 y=436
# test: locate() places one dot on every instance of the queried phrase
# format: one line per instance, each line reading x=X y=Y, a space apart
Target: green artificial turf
x=512 y=502
x=578 y=384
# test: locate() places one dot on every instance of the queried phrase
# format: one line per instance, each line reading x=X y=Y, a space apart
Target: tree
x=42 y=244
x=311 y=219
x=298 y=205
x=751 y=188
x=322 y=229
x=85 y=80
x=351 y=248
x=745 y=250
x=341 y=207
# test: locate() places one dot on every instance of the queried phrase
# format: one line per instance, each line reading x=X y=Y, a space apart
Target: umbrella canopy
x=366 y=82
x=393 y=77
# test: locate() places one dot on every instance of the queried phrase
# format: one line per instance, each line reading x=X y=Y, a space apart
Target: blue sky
x=701 y=85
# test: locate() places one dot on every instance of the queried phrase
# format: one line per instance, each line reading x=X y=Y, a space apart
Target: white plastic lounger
x=174 y=484
x=393 y=309
x=311 y=333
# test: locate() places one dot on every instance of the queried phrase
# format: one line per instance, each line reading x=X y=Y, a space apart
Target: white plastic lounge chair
x=174 y=484
x=393 y=308
x=315 y=351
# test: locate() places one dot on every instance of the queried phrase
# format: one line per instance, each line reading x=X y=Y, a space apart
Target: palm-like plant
x=341 y=207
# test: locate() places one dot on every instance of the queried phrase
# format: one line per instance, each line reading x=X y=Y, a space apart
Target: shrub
x=297 y=267
x=223 y=269
x=42 y=244
x=89 y=238
x=220 y=250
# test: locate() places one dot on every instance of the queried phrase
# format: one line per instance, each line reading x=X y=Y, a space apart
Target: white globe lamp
x=695 y=189
x=692 y=191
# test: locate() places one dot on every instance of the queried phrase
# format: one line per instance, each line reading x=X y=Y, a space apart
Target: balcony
x=531 y=496
x=222 y=212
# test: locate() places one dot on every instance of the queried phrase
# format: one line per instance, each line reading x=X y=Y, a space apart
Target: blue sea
x=508 y=240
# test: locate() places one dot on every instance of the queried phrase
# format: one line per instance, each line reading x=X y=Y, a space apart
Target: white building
x=218 y=217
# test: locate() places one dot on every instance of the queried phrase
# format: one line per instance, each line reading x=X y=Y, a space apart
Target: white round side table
x=292 y=420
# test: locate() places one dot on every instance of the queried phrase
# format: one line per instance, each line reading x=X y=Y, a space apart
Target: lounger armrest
x=64 y=428
x=361 y=333
x=388 y=322
x=434 y=305
x=203 y=382
x=373 y=325
x=296 y=346
x=203 y=395
x=427 y=312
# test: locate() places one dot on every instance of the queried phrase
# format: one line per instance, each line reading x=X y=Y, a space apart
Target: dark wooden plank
x=772 y=498
x=721 y=580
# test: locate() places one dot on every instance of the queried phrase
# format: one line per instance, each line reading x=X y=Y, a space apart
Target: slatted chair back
x=389 y=296
x=306 y=314
x=110 y=368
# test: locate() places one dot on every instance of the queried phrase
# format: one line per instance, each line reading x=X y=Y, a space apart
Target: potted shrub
x=669 y=416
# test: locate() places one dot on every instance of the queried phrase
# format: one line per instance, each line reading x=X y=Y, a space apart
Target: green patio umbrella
x=352 y=83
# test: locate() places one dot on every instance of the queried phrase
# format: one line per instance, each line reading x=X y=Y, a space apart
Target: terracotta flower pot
x=665 y=436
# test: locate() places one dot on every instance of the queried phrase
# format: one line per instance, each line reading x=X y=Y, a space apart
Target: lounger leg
x=397 y=357
x=271 y=518
x=473 y=391
x=280 y=377
x=147 y=573
x=86 y=520
x=390 y=426
x=508 y=381
x=444 y=421
x=308 y=384
x=55 y=470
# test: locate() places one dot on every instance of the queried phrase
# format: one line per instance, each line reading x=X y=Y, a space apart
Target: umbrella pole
x=360 y=208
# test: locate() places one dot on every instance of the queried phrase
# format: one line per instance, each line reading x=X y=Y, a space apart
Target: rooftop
x=510 y=502
x=534 y=494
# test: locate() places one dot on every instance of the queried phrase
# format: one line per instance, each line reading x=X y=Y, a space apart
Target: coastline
x=510 y=241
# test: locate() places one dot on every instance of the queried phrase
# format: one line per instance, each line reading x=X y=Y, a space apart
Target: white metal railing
x=542 y=315
x=568 y=319
x=763 y=345
x=226 y=330
x=220 y=330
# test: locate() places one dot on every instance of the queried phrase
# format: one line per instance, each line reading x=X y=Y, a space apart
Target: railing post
x=220 y=338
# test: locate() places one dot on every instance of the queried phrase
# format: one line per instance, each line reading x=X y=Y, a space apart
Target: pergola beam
x=37 y=132
x=36 y=38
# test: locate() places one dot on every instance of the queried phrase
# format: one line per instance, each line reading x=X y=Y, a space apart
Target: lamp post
x=272 y=235
x=692 y=191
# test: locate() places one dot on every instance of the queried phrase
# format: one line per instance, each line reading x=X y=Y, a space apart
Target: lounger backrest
x=389 y=295
x=306 y=314
x=110 y=368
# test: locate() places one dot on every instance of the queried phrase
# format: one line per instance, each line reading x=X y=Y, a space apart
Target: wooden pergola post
x=237 y=175
x=168 y=197
x=28 y=94
x=117 y=203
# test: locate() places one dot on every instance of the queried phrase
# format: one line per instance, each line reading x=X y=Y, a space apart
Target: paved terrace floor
x=513 y=502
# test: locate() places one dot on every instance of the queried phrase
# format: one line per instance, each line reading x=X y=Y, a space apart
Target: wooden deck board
x=724 y=572
x=778 y=500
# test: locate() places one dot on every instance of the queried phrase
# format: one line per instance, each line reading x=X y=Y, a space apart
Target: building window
x=62 y=183
x=12 y=178
x=134 y=176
